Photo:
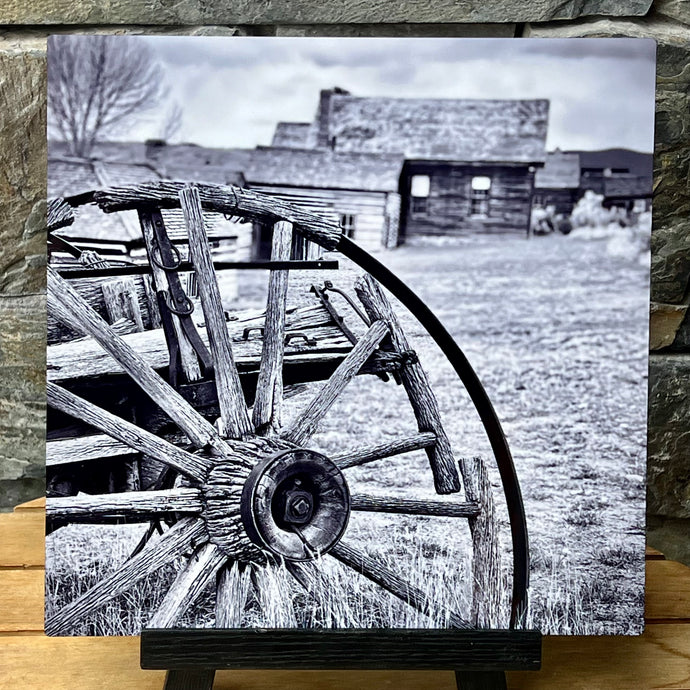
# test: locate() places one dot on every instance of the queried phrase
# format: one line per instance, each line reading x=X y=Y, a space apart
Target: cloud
x=235 y=89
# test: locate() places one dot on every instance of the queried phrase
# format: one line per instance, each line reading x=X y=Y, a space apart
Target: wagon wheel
x=254 y=491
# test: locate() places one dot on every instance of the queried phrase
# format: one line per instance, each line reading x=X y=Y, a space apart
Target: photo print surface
x=252 y=424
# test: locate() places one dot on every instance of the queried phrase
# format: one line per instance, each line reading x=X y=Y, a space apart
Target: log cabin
x=358 y=190
x=468 y=165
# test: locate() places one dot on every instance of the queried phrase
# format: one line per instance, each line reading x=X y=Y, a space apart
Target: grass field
x=556 y=329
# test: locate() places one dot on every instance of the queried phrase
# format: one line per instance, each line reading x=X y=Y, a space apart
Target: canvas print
x=347 y=333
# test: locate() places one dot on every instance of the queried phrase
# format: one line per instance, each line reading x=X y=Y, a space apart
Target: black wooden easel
x=478 y=657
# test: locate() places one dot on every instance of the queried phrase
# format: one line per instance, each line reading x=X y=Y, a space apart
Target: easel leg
x=193 y=679
x=481 y=680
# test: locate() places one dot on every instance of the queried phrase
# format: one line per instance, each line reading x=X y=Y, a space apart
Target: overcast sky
x=234 y=90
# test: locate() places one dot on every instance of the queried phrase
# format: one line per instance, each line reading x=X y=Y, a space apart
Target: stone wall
x=23 y=30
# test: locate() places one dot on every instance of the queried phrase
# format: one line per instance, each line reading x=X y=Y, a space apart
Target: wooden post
x=122 y=301
x=269 y=388
x=416 y=383
x=233 y=409
x=487 y=587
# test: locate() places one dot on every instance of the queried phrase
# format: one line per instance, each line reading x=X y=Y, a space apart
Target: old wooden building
x=557 y=184
x=113 y=164
x=359 y=190
x=469 y=165
x=622 y=176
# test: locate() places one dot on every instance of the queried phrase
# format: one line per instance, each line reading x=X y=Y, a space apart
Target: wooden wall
x=375 y=217
x=562 y=199
x=448 y=205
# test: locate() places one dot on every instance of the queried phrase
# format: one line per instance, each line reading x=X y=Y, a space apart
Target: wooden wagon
x=175 y=408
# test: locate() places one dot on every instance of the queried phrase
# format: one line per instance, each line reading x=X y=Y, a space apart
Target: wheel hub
x=295 y=504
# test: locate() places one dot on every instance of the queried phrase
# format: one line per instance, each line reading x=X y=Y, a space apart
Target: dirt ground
x=556 y=329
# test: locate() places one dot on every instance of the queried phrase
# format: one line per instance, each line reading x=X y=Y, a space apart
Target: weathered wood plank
x=85 y=448
x=188 y=585
x=416 y=383
x=157 y=553
x=390 y=581
x=234 y=419
x=269 y=388
x=86 y=359
x=487 y=580
x=138 y=439
x=406 y=506
x=132 y=504
x=71 y=308
x=91 y=290
x=59 y=214
x=188 y=359
x=365 y=454
x=122 y=302
x=223 y=199
x=306 y=424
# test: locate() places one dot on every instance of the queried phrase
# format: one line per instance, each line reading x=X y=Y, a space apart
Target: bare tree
x=172 y=122
x=97 y=85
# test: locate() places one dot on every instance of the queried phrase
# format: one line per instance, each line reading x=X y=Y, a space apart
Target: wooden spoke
x=189 y=584
x=194 y=466
x=306 y=424
x=141 y=505
x=233 y=409
x=83 y=448
x=390 y=504
x=269 y=387
x=364 y=454
x=153 y=556
x=232 y=589
x=65 y=304
x=390 y=581
x=416 y=383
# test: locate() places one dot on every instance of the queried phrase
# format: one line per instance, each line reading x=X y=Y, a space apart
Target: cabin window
x=538 y=199
x=347 y=223
x=479 y=197
x=419 y=191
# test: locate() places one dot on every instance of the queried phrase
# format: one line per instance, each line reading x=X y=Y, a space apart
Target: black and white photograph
x=347 y=333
